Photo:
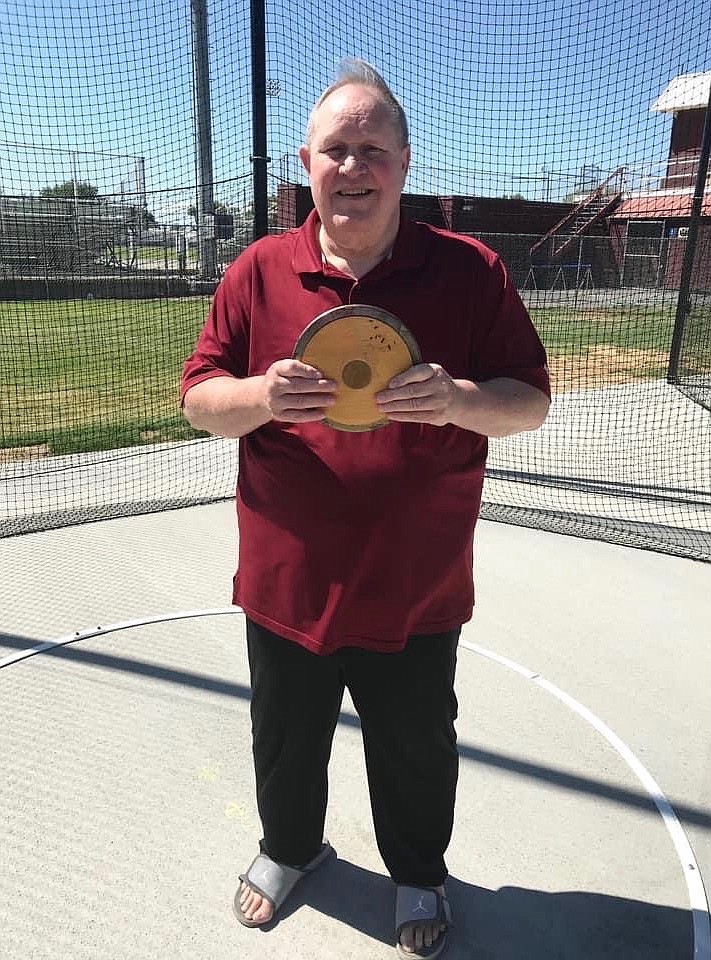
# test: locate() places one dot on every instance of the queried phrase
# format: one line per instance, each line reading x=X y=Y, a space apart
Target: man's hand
x=227 y=406
x=423 y=394
x=426 y=393
x=296 y=392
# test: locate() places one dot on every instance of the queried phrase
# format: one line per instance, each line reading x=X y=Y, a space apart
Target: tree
x=65 y=191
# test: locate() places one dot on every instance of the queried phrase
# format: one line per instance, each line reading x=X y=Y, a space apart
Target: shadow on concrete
x=131 y=665
x=564 y=780
x=17 y=641
x=512 y=923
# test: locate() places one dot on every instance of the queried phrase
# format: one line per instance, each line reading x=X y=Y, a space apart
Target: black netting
x=568 y=138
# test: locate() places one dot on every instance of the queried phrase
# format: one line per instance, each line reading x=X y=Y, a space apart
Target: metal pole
x=683 y=306
x=205 y=218
x=142 y=221
x=141 y=183
x=75 y=191
x=259 y=156
x=75 y=180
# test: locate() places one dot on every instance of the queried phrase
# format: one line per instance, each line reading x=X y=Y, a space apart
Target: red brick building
x=649 y=227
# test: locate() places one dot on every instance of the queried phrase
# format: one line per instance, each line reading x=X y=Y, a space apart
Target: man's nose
x=353 y=163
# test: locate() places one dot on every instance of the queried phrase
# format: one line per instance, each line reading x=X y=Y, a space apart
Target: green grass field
x=565 y=329
x=592 y=347
x=79 y=375
x=85 y=375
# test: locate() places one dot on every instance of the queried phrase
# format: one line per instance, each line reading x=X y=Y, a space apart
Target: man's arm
x=226 y=406
x=230 y=407
x=495 y=408
x=499 y=407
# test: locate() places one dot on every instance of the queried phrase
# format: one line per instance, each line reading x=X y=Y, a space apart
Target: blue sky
x=498 y=94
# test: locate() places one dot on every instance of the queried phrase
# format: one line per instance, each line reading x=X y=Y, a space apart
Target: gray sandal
x=421 y=905
x=274 y=881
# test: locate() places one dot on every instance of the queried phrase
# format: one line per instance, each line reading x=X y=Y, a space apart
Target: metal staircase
x=597 y=205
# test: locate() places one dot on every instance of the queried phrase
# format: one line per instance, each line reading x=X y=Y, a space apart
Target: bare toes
x=416 y=937
x=254 y=906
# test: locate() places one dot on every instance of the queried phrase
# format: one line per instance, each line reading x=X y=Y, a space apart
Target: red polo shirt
x=363 y=539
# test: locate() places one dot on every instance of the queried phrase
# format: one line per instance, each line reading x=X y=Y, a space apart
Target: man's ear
x=305 y=155
x=406 y=154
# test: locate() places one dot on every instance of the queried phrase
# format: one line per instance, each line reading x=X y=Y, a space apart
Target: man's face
x=357 y=167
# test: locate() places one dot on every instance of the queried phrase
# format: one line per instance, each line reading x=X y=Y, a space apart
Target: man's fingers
x=418 y=373
x=291 y=377
x=423 y=394
x=297 y=385
x=302 y=400
x=302 y=416
x=297 y=392
x=291 y=368
x=411 y=391
x=415 y=391
x=422 y=387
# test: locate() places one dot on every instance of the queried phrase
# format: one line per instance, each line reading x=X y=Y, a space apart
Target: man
x=355 y=555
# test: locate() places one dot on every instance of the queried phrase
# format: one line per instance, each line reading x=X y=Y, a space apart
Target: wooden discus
x=360 y=347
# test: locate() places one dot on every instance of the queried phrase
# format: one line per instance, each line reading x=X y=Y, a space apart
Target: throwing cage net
x=141 y=150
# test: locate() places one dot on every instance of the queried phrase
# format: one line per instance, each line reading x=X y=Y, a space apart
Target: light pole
x=205 y=218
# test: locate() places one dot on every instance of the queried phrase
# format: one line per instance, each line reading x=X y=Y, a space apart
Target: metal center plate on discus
x=362 y=348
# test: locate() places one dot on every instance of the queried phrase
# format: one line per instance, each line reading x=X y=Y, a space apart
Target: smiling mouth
x=354 y=193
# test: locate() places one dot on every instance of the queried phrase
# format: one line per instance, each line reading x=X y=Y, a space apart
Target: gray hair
x=353 y=70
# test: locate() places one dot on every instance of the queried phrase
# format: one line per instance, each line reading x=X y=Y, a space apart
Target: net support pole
x=141 y=190
x=683 y=306
x=75 y=195
x=259 y=156
x=205 y=213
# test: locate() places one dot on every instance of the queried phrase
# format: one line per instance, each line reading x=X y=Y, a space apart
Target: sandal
x=421 y=905
x=274 y=881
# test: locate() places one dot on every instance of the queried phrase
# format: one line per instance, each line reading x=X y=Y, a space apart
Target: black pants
x=407 y=707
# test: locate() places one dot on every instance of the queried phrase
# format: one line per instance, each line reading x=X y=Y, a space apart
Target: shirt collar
x=409 y=249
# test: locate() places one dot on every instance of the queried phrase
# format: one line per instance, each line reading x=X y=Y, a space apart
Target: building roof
x=686 y=92
x=660 y=207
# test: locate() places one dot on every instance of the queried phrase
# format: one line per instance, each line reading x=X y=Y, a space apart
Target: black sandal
x=418 y=905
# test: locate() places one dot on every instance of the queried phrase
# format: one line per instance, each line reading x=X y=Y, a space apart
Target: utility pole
x=207 y=251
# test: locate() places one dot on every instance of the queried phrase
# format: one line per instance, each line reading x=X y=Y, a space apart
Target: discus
x=360 y=347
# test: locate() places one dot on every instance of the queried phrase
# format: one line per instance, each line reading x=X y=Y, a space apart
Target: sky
x=502 y=98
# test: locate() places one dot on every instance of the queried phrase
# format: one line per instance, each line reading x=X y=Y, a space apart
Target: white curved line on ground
x=113 y=628
x=694 y=883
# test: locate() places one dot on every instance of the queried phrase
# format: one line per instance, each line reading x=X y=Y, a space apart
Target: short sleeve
x=222 y=348
x=509 y=345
